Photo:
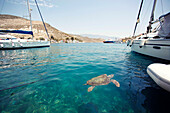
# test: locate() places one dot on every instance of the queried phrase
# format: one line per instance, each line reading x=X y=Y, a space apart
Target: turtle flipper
x=115 y=82
x=111 y=76
x=90 y=88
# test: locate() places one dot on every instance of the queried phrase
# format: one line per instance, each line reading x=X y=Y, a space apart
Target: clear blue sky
x=100 y=17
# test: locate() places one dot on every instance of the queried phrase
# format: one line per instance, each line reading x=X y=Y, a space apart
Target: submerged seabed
x=51 y=80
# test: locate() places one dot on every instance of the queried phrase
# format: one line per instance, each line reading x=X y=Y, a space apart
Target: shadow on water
x=143 y=93
x=156 y=100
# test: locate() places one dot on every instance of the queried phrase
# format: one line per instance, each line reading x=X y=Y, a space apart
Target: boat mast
x=152 y=17
x=138 y=18
x=29 y=10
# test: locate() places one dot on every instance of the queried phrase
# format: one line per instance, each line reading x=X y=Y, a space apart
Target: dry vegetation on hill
x=9 y=22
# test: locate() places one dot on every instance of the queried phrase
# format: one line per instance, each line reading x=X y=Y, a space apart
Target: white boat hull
x=160 y=73
x=7 y=44
x=159 y=48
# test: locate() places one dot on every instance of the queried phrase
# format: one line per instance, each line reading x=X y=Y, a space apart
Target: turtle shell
x=99 y=80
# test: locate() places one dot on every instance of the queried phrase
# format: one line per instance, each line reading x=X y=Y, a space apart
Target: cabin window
x=145 y=37
x=167 y=37
x=155 y=37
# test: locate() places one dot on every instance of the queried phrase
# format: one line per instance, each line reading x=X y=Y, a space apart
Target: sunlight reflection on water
x=51 y=80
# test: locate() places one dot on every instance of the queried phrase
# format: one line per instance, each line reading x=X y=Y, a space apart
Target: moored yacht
x=156 y=42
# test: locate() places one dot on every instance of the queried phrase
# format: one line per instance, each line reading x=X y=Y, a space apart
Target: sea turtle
x=101 y=80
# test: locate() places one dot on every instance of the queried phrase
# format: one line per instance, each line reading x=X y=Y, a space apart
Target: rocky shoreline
x=10 y=22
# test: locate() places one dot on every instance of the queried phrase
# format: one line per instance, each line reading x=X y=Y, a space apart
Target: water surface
x=42 y=80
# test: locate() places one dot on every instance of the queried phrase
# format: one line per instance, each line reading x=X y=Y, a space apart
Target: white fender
x=128 y=41
x=142 y=43
x=131 y=43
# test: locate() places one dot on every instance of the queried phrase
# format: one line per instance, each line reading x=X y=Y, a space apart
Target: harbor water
x=50 y=80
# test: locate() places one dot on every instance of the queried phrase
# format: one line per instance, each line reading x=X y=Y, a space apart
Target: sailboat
x=155 y=42
x=11 y=42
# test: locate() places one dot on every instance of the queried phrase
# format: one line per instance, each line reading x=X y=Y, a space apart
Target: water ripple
x=51 y=80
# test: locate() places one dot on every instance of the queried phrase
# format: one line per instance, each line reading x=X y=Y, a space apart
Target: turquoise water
x=50 y=80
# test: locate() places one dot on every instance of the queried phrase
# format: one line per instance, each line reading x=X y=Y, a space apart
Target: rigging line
x=42 y=18
x=151 y=17
x=2 y=6
x=144 y=18
x=162 y=7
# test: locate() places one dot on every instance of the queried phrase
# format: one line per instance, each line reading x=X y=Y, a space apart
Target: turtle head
x=111 y=76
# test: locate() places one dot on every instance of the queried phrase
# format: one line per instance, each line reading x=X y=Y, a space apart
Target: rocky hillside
x=10 y=22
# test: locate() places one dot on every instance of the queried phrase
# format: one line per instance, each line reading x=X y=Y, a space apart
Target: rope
x=144 y=18
x=2 y=6
x=42 y=18
x=162 y=7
